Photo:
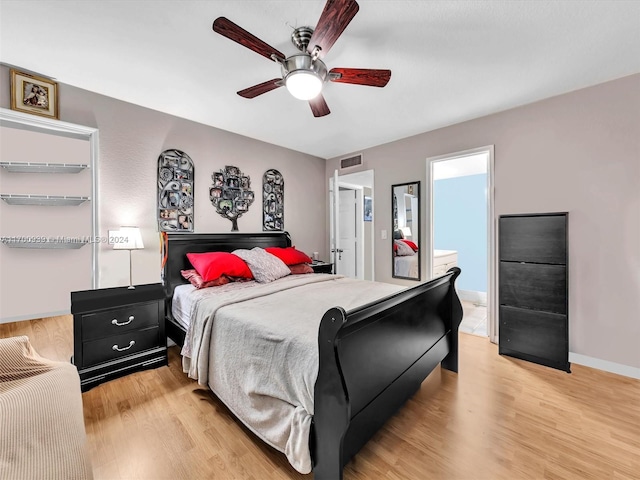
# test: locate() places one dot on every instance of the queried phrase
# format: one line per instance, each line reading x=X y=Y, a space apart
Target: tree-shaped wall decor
x=231 y=194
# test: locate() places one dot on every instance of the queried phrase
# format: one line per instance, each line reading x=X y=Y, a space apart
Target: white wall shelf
x=36 y=167
x=45 y=200
x=72 y=243
x=48 y=183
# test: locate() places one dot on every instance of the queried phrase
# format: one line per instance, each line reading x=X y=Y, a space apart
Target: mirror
x=405 y=204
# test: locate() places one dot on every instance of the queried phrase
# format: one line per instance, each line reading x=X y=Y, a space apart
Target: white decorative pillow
x=264 y=266
x=403 y=250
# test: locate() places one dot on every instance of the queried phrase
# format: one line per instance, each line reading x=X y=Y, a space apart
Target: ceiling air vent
x=351 y=161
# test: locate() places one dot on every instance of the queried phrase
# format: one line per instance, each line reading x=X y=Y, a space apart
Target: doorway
x=347 y=262
x=462 y=232
x=351 y=224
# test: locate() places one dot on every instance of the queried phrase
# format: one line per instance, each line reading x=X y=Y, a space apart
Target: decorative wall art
x=231 y=194
x=34 y=94
x=175 y=192
x=272 y=200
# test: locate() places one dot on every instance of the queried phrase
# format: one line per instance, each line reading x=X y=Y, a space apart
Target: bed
x=406 y=260
x=361 y=366
x=406 y=266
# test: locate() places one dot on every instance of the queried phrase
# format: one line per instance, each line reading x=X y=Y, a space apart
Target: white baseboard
x=33 y=316
x=605 y=365
x=479 y=298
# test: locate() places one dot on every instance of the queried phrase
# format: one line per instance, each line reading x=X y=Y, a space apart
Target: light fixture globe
x=303 y=85
x=304 y=76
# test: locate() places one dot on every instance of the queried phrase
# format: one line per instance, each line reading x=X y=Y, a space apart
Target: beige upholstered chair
x=42 y=431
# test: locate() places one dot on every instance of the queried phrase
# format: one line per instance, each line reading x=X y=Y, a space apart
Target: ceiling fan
x=304 y=73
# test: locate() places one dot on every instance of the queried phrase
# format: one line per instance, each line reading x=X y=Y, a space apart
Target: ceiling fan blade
x=227 y=28
x=261 y=88
x=360 y=76
x=319 y=106
x=334 y=19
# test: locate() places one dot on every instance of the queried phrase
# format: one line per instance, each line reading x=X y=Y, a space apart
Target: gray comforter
x=256 y=346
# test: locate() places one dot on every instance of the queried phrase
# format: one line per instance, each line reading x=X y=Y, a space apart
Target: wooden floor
x=499 y=418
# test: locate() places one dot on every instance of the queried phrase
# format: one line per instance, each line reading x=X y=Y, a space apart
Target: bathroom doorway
x=461 y=229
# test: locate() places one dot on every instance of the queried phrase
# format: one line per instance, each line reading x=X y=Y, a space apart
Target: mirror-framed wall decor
x=405 y=215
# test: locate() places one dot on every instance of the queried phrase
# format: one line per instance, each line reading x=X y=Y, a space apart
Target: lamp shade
x=131 y=239
x=406 y=231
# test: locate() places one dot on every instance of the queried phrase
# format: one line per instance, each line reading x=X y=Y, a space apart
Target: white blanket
x=257 y=347
x=406 y=266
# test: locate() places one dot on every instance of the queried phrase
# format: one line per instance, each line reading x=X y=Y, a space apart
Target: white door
x=364 y=232
x=346 y=254
x=334 y=207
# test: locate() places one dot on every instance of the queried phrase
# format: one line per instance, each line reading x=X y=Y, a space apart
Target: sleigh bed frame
x=371 y=359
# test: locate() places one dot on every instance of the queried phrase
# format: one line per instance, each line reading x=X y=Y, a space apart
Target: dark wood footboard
x=372 y=359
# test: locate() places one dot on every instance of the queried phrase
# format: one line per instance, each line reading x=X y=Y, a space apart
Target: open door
x=347 y=262
x=334 y=207
x=351 y=224
x=343 y=231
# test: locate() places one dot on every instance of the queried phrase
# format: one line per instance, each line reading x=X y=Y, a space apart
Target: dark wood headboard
x=177 y=245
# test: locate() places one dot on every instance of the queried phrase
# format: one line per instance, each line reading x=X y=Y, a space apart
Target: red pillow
x=411 y=244
x=289 y=255
x=212 y=265
x=300 y=268
x=196 y=280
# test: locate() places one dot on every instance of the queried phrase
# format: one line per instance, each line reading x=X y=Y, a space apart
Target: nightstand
x=322 y=267
x=117 y=331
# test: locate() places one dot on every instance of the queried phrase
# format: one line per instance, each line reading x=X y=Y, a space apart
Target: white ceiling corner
x=451 y=61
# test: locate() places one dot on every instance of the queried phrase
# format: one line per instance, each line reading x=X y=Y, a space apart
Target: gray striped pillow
x=264 y=266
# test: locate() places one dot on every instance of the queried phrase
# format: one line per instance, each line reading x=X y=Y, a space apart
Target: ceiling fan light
x=303 y=84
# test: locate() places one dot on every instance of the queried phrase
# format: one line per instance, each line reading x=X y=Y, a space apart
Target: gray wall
x=132 y=138
x=578 y=152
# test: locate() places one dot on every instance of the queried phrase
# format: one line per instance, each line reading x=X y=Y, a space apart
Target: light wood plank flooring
x=499 y=418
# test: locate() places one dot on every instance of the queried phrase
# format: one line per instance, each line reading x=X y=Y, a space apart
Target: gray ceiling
x=451 y=60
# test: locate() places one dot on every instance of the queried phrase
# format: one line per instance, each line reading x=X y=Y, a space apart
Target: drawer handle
x=115 y=321
x=118 y=349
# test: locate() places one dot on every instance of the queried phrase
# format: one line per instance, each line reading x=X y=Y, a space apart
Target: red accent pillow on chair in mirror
x=410 y=243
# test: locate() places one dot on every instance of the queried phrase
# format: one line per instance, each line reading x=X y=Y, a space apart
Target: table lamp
x=131 y=240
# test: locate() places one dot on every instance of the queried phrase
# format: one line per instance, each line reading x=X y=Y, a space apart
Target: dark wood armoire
x=533 y=288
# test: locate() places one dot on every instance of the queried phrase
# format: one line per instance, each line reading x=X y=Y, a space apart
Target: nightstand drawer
x=110 y=348
x=118 y=320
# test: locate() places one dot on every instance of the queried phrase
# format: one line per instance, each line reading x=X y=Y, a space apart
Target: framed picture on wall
x=368 y=209
x=33 y=94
